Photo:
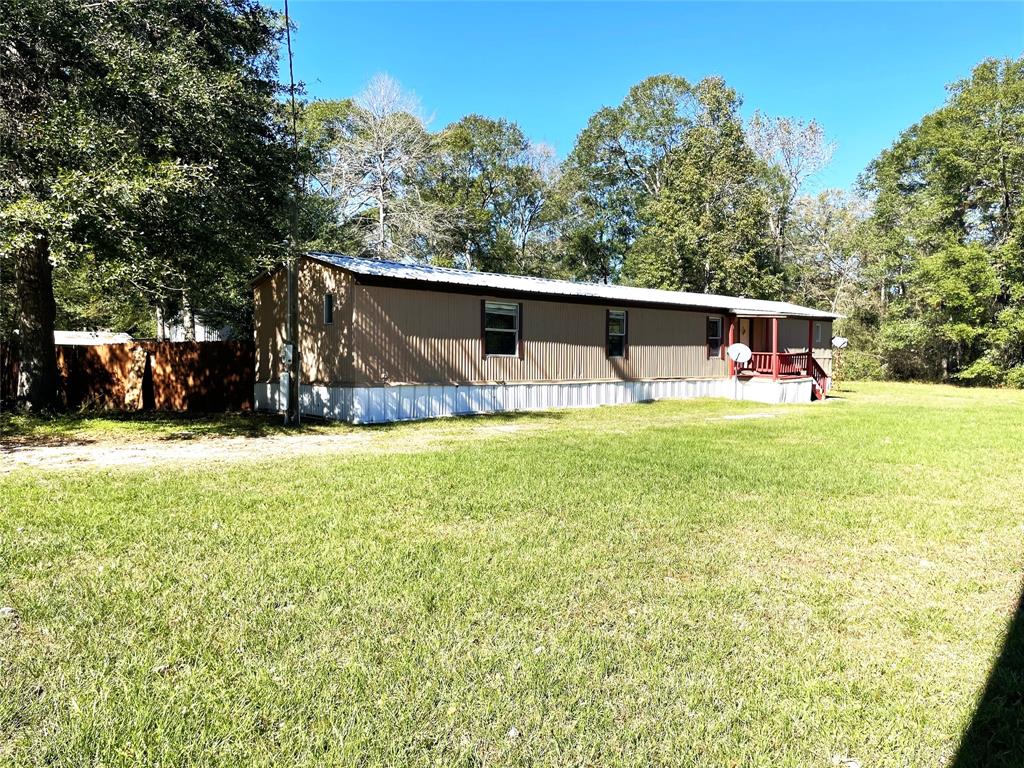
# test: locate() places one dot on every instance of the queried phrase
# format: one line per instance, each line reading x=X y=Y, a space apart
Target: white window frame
x=329 y=300
x=817 y=334
x=608 y=333
x=505 y=306
x=721 y=335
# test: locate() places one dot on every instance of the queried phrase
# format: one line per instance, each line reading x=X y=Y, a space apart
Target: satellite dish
x=840 y=342
x=738 y=353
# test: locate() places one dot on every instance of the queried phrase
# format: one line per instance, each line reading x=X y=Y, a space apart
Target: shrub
x=908 y=350
x=1015 y=377
x=857 y=365
x=982 y=372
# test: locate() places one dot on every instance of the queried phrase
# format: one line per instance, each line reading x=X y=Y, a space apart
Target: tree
x=794 y=150
x=957 y=294
x=497 y=187
x=947 y=229
x=94 y=293
x=619 y=164
x=143 y=136
x=330 y=216
x=706 y=229
x=825 y=266
x=371 y=155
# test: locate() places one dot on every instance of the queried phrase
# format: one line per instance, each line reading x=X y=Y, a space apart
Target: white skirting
x=405 y=402
x=270 y=396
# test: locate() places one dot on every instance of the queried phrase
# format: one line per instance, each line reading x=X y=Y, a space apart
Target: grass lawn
x=636 y=585
x=22 y=429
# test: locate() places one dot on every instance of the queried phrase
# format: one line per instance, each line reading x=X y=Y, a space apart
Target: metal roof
x=611 y=294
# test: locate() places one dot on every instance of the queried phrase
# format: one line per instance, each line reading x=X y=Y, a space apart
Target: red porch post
x=732 y=340
x=810 y=344
x=775 y=349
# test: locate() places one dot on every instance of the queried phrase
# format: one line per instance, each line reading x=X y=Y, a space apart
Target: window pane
x=616 y=323
x=329 y=308
x=500 y=316
x=714 y=336
x=616 y=346
x=500 y=342
x=500 y=321
x=502 y=307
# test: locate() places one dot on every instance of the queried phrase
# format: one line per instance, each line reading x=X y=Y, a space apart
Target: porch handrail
x=790 y=363
x=819 y=375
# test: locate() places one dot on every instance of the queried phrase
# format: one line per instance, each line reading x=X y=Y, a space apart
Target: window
x=328 y=308
x=817 y=334
x=616 y=332
x=714 y=337
x=501 y=329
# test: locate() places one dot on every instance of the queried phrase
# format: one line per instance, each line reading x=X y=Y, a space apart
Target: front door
x=745 y=331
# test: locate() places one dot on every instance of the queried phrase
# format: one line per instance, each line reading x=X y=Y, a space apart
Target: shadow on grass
x=86 y=427
x=995 y=736
x=506 y=417
x=89 y=426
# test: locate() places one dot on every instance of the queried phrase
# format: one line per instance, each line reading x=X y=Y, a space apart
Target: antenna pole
x=293 y=365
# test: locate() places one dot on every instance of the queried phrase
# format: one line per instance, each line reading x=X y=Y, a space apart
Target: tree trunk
x=37 y=371
x=780 y=253
x=380 y=224
x=188 y=318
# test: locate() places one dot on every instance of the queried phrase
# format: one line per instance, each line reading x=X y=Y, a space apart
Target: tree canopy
x=497 y=186
x=141 y=139
x=946 y=234
x=706 y=228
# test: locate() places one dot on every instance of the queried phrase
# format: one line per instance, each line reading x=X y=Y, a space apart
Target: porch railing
x=820 y=378
x=790 y=363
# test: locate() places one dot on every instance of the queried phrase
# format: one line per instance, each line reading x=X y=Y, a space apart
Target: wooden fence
x=205 y=376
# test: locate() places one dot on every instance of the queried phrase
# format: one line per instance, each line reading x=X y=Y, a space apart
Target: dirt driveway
x=203 y=450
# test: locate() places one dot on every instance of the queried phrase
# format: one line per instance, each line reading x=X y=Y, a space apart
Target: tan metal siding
x=326 y=350
x=823 y=350
x=414 y=336
x=269 y=325
x=793 y=338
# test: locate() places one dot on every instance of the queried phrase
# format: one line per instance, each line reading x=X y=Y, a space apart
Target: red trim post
x=732 y=340
x=810 y=345
x=775 y=349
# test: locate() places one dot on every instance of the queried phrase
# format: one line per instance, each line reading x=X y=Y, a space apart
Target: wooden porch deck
x=786 y=365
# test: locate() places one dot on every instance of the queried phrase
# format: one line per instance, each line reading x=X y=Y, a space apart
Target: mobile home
x=382 y=341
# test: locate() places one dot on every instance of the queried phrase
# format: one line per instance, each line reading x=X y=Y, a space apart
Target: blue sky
x=865 y=71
